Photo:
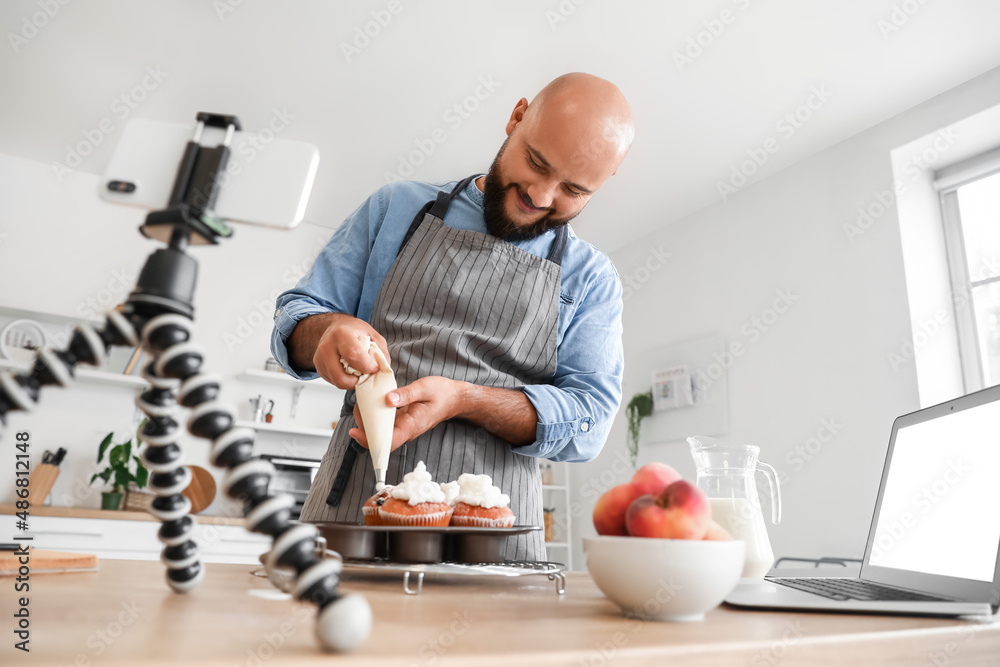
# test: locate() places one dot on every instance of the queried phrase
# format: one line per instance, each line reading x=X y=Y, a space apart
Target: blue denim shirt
x=575 y=412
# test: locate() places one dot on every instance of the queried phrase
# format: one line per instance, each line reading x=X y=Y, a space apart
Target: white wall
x=824 y=359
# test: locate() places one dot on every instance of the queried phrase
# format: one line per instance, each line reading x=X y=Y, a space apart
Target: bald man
x=503 y=328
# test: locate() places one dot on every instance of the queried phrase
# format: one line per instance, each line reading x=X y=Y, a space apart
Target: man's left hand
x=421 y=405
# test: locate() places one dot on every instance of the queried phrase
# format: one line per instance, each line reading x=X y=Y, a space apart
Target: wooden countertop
x=121 y=515
x=125 y=615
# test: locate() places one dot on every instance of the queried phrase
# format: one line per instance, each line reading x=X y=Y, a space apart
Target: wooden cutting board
x=43 y=561
x=201 y=490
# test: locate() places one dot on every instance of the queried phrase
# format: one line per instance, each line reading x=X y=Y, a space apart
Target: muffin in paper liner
x=372 y=506
x=482 y=517
x=397 y=512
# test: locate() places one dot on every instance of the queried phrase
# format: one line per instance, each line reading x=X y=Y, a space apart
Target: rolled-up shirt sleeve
x=332 y=285
x=576 y=410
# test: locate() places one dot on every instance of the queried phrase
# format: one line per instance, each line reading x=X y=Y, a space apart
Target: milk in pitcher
x=745 y=522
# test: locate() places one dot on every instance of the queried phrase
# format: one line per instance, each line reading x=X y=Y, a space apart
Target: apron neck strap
x=443 y=201
x=439 y=207
x=559 y=245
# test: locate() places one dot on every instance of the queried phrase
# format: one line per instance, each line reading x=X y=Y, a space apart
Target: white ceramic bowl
x=665 y=580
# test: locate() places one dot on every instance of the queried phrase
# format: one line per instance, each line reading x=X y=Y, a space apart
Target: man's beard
x=498 y=223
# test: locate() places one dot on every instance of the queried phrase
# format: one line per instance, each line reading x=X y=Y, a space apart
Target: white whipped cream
x=418 y=487
x=478 y=490
x=450 y=490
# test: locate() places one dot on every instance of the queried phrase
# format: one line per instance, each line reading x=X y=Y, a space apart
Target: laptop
x=934 y=543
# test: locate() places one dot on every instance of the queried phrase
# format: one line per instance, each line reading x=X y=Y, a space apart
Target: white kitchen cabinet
x=136 y=540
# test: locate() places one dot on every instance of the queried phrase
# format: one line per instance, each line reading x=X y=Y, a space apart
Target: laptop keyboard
x=854 y=589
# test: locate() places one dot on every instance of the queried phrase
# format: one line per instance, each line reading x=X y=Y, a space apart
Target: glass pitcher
x=726 y=475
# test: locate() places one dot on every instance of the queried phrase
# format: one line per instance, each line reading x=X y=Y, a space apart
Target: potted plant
x=639 y=407
x=119 y=472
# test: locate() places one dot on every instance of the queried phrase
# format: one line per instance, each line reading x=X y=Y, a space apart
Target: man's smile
x=524 y=205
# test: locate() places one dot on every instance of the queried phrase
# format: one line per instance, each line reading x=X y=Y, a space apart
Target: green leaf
x=138 y=432
x=104 y=475
x=141 y=476
x=115 y=457
x=104 y=446
x=128 y=452
x=638 y=408
x=122 y=478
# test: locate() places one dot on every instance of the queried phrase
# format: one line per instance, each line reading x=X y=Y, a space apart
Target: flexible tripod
x=158 y=316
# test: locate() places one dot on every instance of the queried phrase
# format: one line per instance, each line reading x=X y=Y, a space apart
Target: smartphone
x=267 y=180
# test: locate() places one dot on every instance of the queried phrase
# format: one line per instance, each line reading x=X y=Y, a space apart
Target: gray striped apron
x=467 y=306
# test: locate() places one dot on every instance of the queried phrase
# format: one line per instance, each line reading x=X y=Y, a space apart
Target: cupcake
x=479 y=504
x=416 y=501
x=373 y=505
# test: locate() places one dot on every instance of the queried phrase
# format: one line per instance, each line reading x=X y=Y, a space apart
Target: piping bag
x=378 y=417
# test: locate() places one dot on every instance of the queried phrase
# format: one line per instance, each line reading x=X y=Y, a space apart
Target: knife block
x=40 y=484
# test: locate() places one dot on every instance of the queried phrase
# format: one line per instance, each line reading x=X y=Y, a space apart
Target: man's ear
x=517 y=115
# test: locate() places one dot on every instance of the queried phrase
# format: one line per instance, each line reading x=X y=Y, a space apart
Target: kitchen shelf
x=90 y=376
x=564 y=545
x=274 y=377
x=271 y=428
x=48 y=318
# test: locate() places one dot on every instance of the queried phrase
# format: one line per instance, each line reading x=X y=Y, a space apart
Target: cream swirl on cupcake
x=450 y=490
x=478 y=490
x=418 y=487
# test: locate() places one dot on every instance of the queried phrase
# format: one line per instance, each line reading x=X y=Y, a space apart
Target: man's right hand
x=332 y=336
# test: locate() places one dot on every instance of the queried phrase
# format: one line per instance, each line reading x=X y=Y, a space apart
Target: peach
x=653 y=478
x=609 y=512
x=681 y=512
x=716 y=532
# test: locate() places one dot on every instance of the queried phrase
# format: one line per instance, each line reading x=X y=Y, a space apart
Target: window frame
x=947 y=182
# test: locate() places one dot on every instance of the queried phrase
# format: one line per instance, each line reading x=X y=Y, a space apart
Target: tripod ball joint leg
x=20 y=391
x=343 y=622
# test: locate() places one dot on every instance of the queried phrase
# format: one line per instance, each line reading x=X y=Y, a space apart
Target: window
x=970 y=203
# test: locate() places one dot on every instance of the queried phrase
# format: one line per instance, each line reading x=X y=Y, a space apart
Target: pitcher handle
x=772 y=478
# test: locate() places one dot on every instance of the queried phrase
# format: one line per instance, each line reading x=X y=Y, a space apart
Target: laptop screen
x=940 y=509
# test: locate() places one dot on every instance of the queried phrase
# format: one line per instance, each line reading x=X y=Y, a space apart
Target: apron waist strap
x=343 y=474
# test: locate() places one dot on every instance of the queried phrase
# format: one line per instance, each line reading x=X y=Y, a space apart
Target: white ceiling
x=692 y=125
